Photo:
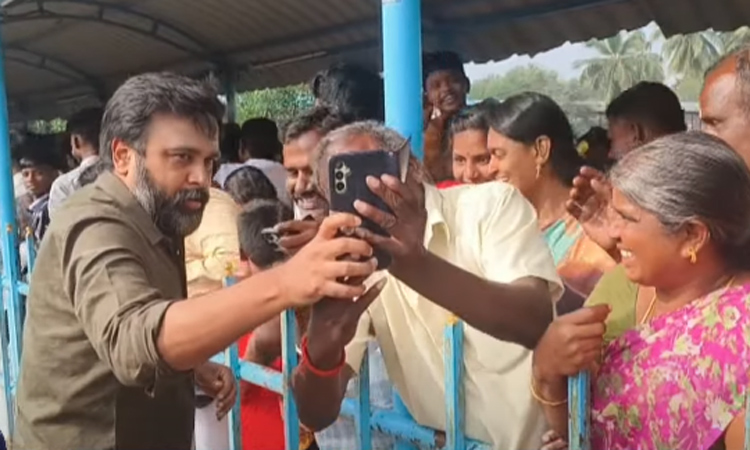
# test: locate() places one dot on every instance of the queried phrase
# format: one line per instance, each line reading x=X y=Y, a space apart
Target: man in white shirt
x=83 y=128
x=260 y=147
x=474 y=251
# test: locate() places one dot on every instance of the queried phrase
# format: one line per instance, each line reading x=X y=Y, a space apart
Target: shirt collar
x=38 y=203
x=433 y=202
x=87 y=161
x=124 y=200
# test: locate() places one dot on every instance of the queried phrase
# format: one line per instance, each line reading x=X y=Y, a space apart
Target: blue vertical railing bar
x=8 y=242
x=232 y=360
x=578 y=412
x=402 y=69
x=289 y=362
x=7 y=383
x=453 y=346
x=400 y=409
x=30 y=243
x=364 y=433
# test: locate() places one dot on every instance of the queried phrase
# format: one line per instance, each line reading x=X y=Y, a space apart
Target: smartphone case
x=347 y=174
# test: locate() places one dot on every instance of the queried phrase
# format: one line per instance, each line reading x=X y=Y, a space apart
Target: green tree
x=53 y=126
x=530 y=78
x=578 y=101
x=622 y=61
x=736 y=39
x=279 y=104
x=690 y=55
x=688 y=89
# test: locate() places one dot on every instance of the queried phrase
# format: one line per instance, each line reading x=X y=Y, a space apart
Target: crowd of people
x=623 y=252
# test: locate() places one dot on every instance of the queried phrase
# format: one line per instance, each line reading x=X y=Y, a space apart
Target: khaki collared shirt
x=91 y=376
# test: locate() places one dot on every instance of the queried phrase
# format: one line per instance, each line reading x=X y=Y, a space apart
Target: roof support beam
x=52 y=65
x=100 y=12
x=520 y=14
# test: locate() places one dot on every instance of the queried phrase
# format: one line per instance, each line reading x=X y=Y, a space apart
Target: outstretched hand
x=406 y=225
x=295 y=234
x=589 y=202
x=322 y=267
x=333 y=323
x=217 y=381
x=573 y=342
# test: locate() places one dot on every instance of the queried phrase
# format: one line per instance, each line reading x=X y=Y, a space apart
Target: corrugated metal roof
x=65 y=54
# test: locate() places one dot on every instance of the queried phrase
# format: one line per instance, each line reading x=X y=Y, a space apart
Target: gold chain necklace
x=652 y=304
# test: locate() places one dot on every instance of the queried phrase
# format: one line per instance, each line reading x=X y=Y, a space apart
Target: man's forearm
x=264 y=346
x=194 y=330
x=557 y=415
x=319 y=399
x=518 y=312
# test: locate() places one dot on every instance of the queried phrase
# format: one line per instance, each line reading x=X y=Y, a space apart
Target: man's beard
x=170 y=214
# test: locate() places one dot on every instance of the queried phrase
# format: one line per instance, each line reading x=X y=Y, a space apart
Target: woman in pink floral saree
x=678 y=381
x=675 y=373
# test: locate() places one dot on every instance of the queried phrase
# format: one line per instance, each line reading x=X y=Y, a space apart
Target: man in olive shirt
x=110 y=340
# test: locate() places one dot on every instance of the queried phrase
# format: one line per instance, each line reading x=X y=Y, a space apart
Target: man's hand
x=589 y=202
x=318 y=269
x=572 y=343
x=217 y=381
x=407 y=223
x=333 y=323
x=295 y=234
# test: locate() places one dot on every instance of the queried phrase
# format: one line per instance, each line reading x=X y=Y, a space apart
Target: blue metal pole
x=453 y=355
x=364 y=433
x=9 y=240
x=405 y=418
x=231 y=94
x=289 y=362
x=402 y=69
x=578 y=412
x=233 y=361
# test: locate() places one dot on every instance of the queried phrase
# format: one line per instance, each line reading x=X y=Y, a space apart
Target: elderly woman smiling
x=673 y=319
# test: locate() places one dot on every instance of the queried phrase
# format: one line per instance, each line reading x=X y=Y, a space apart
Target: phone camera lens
x=340 y=187
x=339 y=175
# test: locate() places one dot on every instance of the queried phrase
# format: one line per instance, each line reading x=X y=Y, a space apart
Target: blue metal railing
x=397 y=422
x=578 y=412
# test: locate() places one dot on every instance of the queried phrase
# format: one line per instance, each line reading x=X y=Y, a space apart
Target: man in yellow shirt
x=214 y=246
x=474 y=251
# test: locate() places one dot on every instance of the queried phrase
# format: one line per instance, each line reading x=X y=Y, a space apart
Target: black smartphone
x=347 y=175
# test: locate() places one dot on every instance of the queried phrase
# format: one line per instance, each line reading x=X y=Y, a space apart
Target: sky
x=560 y=59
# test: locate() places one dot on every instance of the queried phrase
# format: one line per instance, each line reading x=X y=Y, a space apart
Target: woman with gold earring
x=532 y=147
x=667 y=330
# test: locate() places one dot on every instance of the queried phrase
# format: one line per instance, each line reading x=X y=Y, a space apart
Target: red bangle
x=314 y=370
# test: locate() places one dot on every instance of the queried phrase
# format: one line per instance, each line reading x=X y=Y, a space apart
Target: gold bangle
x=541 y=399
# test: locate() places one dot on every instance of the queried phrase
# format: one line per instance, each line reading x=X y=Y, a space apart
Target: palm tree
x=690 y=55
x=736 y=39
x=623 y=60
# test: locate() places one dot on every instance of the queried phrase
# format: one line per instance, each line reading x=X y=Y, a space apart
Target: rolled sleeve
x=512 y=247
x=118 y=308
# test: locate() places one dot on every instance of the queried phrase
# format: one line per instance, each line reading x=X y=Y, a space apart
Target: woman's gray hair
x=692 y=176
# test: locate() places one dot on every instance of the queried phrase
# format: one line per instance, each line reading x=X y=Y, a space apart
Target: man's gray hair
x=388 y=139
x=692 y=176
